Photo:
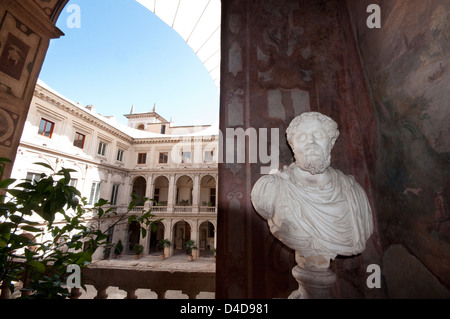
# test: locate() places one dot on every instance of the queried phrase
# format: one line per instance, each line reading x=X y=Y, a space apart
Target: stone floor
x=177 y=262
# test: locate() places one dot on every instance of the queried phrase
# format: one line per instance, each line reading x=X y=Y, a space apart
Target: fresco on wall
x=18 y=48
x=409 y=72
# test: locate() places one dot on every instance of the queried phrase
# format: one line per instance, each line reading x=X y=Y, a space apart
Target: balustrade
x=191 y=283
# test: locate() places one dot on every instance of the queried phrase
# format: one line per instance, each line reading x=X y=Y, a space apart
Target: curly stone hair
x=331 y=126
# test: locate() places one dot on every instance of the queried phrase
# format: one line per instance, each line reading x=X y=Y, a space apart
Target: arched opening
x=161 y=191
x=134 y=232
x=208 y=191
x=155 y=237
x=141 y=127
x=181 y=234
x=206 y=243
x=184 y=191
x=139 y=187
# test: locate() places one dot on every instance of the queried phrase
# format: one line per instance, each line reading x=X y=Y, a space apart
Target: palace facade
x=176 y=166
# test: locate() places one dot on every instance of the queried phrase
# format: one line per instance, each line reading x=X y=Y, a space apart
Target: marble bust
x=312 y=208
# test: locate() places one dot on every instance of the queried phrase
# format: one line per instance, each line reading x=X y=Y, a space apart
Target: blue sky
x=124 y=55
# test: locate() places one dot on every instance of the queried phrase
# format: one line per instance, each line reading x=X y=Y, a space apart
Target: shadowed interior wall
x=280 y=59
x=407 y=64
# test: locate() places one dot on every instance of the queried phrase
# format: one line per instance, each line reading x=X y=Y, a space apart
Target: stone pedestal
x=313 y=283
x=314 y=277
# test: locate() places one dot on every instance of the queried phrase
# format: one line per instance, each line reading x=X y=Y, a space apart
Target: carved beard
x=313 y=159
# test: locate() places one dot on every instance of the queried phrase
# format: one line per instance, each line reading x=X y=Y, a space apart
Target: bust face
x=311 y=145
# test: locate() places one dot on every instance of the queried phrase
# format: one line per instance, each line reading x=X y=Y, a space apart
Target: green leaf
x=6 y=227
x=31 y=229
x=45 y=165
x=35 y=264
x=144 y=232
x=16 y=219
x=29 y=254
x=5 y=183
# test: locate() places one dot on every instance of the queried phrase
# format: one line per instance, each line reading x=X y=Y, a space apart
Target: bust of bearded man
x=311 y=207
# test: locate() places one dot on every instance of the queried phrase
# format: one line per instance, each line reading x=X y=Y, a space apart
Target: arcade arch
x=139 y=189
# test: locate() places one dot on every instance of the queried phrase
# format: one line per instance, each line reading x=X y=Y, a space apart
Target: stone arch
x=208 y=190
x=161 y=185
x=139 y=187
x=206 y=235
x=181 y=232
x=184 y=190
x=154 y=237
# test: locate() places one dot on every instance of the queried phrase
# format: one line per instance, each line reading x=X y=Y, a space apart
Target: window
x=163 y=157
x=46 y=128
x=33 y=176
x=79 y=140
x=114 y=194
x=212 y=196
x=101 y=148
x=163 y=129
x=209 y=156
x=73 y=182
x=185 y=157
x=141 y=127
x=95 y=193
x=142 y=158
x=120 y=155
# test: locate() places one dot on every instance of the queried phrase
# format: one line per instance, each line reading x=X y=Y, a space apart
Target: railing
x=137 y=209
x=177 y=209
x=191 y=283
x=159 y=209
x=207 y=209
x=182 y=209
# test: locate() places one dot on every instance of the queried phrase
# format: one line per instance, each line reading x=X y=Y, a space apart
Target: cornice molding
x=69 y=107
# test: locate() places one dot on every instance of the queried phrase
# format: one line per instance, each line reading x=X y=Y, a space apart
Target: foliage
x=164 y=243
x=138 y=249
x=190 y=244
x=67 y=236
x=118 y=248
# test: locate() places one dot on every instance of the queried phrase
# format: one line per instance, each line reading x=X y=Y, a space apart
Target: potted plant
x=213 y=251
x=138 y=249
x=165 y=244
x=190 y=247
x=118 y=249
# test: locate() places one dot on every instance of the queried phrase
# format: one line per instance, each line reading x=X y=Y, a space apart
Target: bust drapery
x=334 y=220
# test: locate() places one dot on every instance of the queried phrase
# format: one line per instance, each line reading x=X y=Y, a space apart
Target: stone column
x=196 y=193
x=149 y=191
x=171 y=194
x=168 y=232
x=195 y=236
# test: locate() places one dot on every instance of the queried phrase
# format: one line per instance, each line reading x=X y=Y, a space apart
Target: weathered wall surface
x=407 y=64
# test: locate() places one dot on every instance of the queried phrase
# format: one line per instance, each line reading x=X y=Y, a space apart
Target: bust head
x=312 y=136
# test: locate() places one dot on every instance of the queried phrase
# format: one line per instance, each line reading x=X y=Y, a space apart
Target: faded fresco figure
x=312 y=208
